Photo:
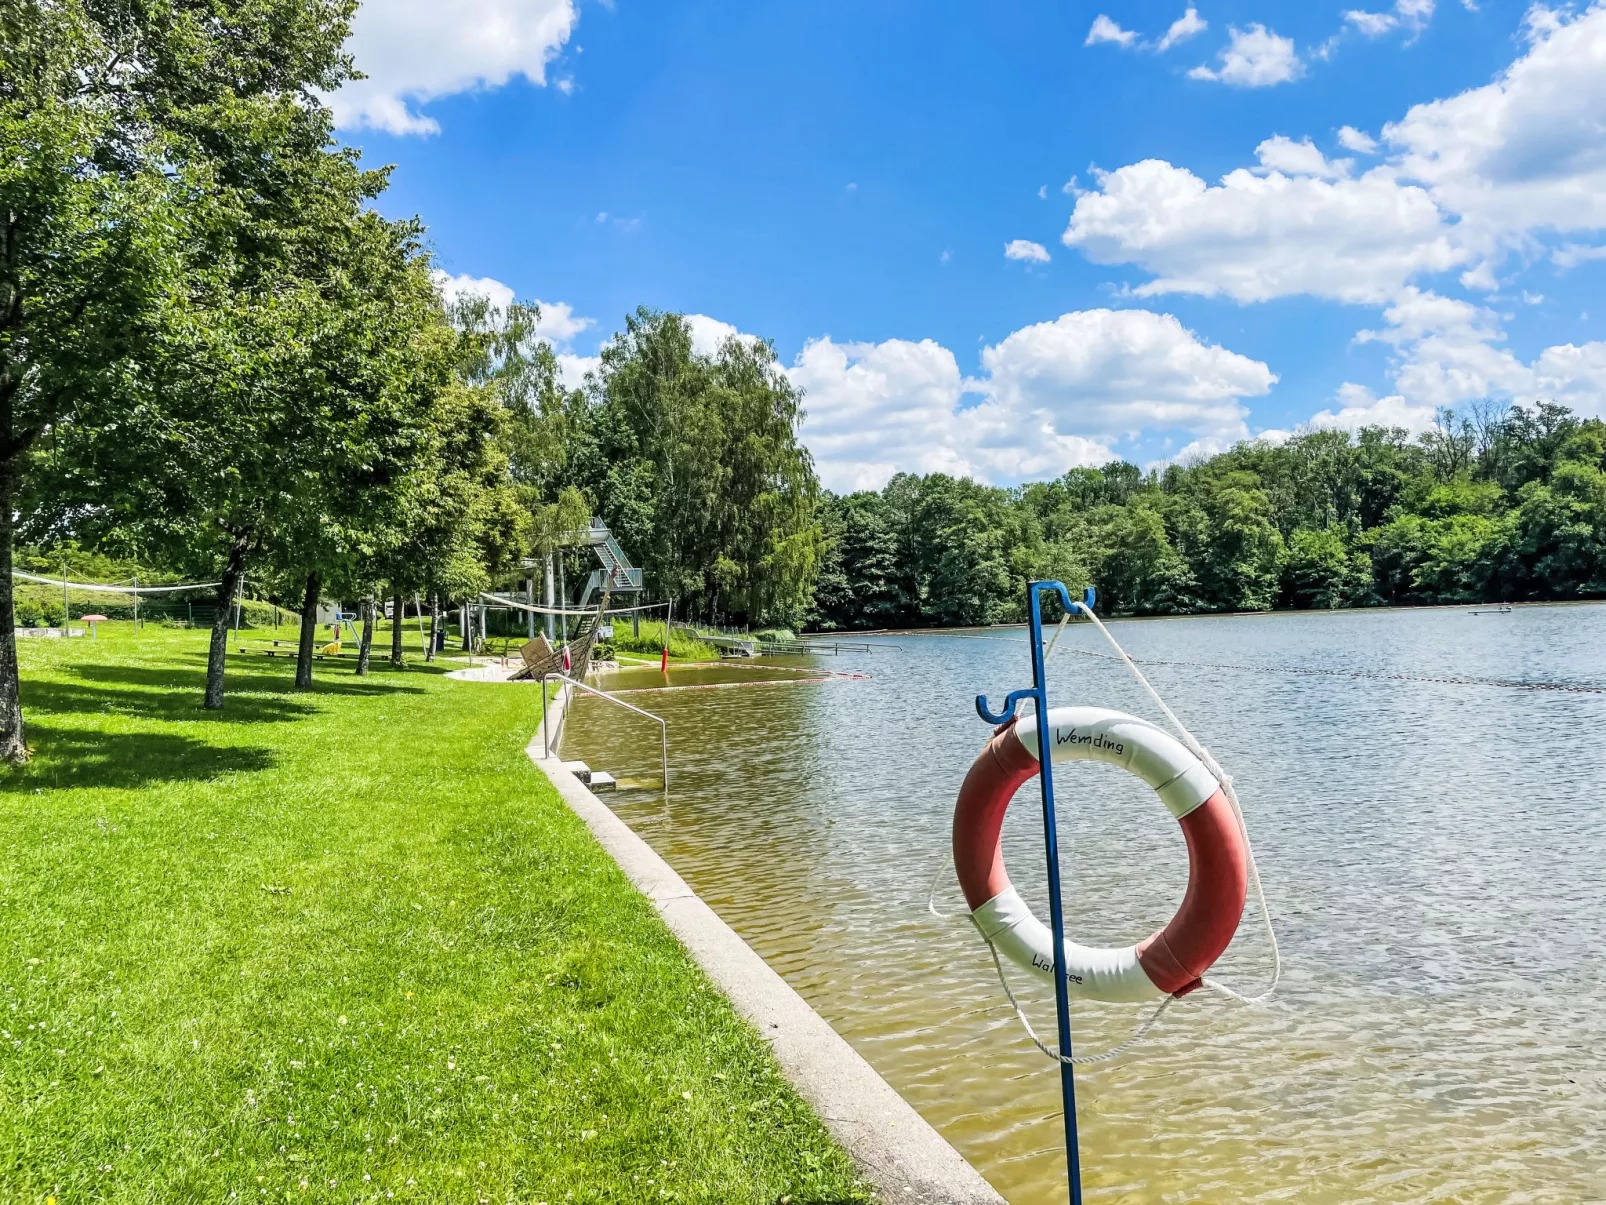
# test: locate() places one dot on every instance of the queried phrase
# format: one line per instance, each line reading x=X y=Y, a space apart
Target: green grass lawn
x=346 y=946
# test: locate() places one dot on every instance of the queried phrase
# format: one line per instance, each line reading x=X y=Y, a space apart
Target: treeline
x=217 y=358
x=1493 y=505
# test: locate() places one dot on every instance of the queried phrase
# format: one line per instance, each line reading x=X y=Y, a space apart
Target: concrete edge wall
x=896 y=1149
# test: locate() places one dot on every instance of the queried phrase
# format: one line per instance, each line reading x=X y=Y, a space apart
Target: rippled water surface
x=1435 y=854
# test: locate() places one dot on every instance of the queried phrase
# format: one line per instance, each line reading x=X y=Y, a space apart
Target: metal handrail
x=663 y=725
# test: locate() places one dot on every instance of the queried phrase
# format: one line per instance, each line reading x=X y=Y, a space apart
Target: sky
x=1009 y=239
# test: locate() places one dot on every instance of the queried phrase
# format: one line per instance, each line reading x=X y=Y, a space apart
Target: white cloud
x=1373 y=25
x=414 y=51
x=572 y=369
x=1570 y=255
x=1115 y=373
x=1280 y=154
x=1189 y=24
x=1052 y=396
x=1352 y=139
x=709 y=335
x=1258 y=236
x=1025 y=249
x=1254 y=58
x=1449 y=352
x=1527 y=152
x=558 y=323
x=1359 y=407
x=1412 y=15
x=875 y=409
x=451 y=288
x=1106 y=30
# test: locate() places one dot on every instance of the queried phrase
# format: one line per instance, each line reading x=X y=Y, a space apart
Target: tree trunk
x=396 y=630
x=217 y=654
x=434 y=622
x=366 y=647
x=309 y=630
x=12 y=747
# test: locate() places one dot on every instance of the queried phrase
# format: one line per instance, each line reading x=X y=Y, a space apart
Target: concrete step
x=601 y=780
x=580 y=770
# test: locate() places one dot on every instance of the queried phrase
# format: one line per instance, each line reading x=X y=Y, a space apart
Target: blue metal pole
x=1056 y=910
x=1045 y=756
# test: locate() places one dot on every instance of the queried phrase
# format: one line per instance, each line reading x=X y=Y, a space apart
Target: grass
x=346 y=946
x=682 y=645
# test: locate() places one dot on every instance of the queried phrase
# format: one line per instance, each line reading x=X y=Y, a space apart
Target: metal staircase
x=617 y=575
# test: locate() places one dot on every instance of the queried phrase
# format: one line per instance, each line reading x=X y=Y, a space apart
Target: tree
x=119 y=125
x=695 y=464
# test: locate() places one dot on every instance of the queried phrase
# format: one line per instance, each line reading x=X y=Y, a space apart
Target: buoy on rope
x=1171 y=961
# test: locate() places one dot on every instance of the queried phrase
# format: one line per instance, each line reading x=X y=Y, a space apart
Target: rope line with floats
x=1170 y=963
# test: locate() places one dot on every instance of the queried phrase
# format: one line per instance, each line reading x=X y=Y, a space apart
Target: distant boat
x=1501 y=610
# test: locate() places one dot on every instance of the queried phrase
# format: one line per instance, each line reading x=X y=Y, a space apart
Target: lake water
x=1434 y=853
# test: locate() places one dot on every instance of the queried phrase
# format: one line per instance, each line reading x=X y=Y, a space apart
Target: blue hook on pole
x=1039 y=696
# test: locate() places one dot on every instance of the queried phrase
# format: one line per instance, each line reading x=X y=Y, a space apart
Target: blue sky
x=1005 y=239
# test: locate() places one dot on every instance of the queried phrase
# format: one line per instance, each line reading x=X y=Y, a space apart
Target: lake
x=1434 y=853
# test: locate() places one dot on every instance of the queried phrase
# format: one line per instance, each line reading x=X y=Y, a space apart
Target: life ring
x=1170 y=961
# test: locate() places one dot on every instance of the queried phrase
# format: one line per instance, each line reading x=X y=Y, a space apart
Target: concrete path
x=907 y=1161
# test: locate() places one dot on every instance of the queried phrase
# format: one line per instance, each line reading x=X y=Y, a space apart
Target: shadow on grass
x=275 y=679
x=180 y=705
x=78 y=757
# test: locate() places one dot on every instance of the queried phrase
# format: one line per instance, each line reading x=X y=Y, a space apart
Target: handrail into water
x=663 y=725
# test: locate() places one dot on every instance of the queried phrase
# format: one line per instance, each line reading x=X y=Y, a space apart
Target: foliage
x=1493 y=505
x=694 y=463
x=683 y=645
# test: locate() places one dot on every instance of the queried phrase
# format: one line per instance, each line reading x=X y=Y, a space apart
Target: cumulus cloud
x=1025 y=249
x=452 y=288
x=1190 y=24
x=1448 y=352
x=572 y=369
x=1359 y=407
x=1254 y=58
x=1050 y=396
x=1280 y=154
x=709 y=335
x=1526 y=152
x=558 y=323
x=1106 y=30
x=1352 y=139
x=1259 y=235
x=414 y=51
x=1116 y=373
x=1469 y=180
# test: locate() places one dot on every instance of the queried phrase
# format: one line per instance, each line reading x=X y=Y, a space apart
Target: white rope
x=931 y=895
x=1225 y=780
x=1076 y=1060
x=524 y=606
x=1215 y=985
x=96 y=588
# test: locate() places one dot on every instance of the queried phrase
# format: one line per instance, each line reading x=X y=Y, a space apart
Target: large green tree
x=695 y=463
x=125 y=128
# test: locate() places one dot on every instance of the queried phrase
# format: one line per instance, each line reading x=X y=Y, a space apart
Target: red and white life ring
x=1169 y=962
